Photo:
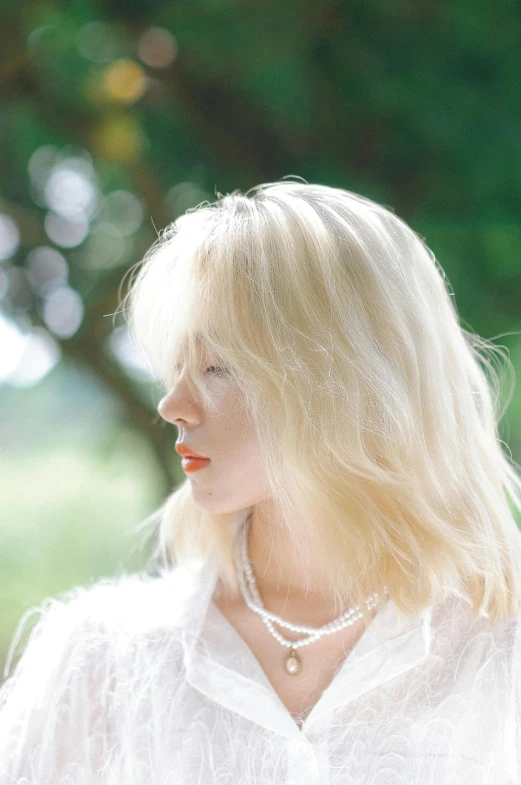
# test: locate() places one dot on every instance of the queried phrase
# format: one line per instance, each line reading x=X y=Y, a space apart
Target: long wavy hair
x=376 y=411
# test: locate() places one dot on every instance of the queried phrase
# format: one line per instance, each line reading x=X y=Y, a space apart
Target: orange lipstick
x=194 y=464
x=192 y=461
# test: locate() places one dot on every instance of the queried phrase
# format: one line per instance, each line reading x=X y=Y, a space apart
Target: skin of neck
x=288 y=579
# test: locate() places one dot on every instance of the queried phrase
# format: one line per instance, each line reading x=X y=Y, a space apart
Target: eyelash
x=218 y=368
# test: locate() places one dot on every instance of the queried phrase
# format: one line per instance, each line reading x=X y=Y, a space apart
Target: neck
x=288 y=579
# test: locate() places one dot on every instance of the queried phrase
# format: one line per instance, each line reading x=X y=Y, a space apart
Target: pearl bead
x=253 y=600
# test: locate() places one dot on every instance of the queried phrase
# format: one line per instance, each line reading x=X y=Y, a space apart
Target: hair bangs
x=168 y=309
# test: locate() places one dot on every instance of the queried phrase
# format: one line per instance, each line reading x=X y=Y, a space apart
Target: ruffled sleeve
x=55 y=719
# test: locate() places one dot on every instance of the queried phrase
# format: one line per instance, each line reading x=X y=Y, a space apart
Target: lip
x=194 y=464
x=186 y=451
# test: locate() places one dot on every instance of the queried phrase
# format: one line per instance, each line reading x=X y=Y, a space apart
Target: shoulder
x=88 y=660
x=109 y=610
x=458 y=630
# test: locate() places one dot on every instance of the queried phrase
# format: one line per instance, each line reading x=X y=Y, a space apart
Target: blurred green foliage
x=156 y=107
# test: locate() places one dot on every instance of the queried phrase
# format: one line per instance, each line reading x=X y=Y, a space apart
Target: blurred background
x=118 y=117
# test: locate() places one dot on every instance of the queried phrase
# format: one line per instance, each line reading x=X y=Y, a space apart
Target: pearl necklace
x=252 y=598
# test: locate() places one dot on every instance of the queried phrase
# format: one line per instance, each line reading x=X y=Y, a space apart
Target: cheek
x=248 y=462
x=241 y=445
x=231 y=416
x=234 y=427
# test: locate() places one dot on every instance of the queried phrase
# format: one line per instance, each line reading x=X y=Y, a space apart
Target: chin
x=214 y=506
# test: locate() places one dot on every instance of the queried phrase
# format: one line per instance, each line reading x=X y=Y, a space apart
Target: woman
x=338 y=586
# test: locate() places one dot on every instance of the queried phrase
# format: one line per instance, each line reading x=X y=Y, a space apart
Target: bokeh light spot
x=119 y=139
x=64 y=231
x=47 y=269
x=63 y=311
x=70 y=191
x=26 y=357
x=105 y=247
x=97 y=42
x=157 y=47
x=9 y=236
x=124 y=80
x=123 y=209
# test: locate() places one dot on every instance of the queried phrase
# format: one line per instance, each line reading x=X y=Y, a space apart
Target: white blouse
x=140 y=680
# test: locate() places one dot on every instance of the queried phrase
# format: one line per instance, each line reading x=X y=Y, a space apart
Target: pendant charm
x=292 y=663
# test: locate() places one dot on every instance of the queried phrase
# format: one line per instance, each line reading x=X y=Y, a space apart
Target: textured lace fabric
x=140 y=680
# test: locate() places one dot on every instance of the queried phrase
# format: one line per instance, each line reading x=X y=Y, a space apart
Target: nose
x=161 y=407
x=179 y=406
x=166 y=406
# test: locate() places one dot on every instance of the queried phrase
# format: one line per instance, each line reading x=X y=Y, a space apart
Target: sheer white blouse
x=140 y=680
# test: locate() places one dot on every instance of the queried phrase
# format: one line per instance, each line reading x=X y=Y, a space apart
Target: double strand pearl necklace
x=252 y=598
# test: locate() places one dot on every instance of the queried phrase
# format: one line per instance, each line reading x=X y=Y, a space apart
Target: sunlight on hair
x=376 y=412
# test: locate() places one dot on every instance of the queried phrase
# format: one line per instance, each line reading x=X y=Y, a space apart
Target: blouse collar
x=220 y=665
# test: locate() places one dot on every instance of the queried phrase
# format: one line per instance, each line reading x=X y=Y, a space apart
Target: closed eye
x=214 y=369
x=217 y=369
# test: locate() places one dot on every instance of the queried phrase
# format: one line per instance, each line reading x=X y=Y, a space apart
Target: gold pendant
x=292 y=663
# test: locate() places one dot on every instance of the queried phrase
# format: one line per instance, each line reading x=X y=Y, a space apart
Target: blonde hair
x=375 y=417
